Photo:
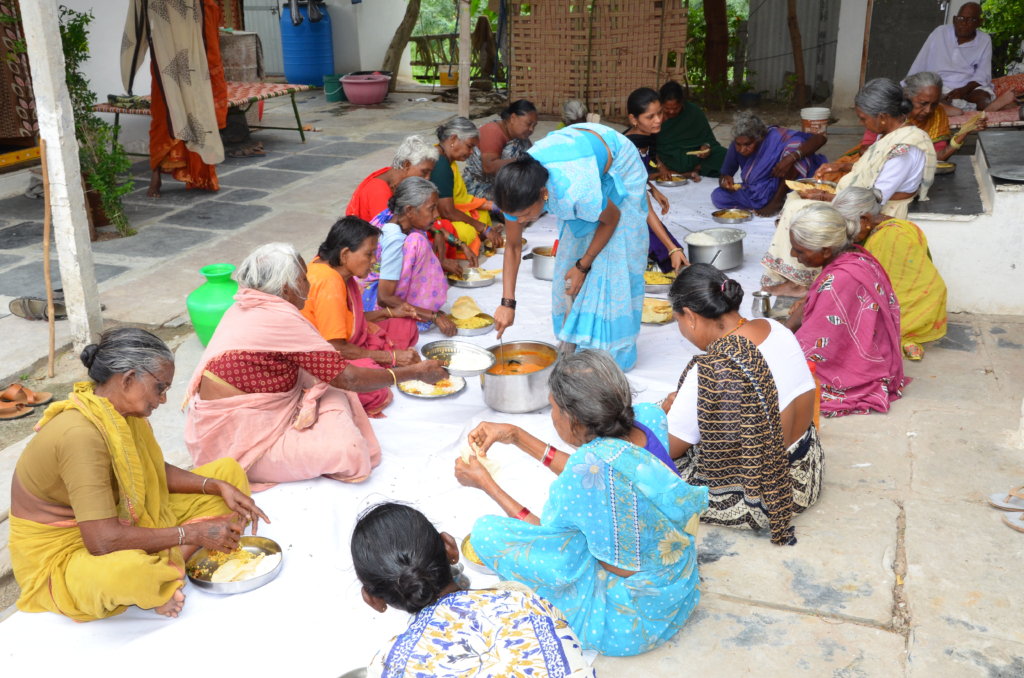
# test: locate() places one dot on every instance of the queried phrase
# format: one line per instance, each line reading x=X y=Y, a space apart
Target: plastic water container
x=815 y=120
x=308 y=48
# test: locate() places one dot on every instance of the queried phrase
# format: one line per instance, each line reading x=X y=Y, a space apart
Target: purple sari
x=759 y=185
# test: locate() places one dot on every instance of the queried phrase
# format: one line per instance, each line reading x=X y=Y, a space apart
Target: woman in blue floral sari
x=592 y=179
x=614 y=546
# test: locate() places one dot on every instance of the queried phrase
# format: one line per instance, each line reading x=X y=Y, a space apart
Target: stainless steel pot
x=725 y=254
x=518 y=393
x=543 y=263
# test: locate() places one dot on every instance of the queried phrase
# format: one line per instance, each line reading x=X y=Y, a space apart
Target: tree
x=800 y=86
x=393 y=57
x=716 y=47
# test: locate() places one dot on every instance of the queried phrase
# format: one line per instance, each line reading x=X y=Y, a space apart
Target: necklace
x=741 y=323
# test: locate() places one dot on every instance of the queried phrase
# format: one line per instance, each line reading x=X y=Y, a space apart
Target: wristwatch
x=511 y=303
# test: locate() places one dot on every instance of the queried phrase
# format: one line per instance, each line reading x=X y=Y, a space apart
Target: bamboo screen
x=597 y=51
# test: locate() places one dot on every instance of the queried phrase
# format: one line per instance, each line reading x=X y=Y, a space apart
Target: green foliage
x=736 y=11
x=437 y=17
x=103 y=161
x=1004 y=21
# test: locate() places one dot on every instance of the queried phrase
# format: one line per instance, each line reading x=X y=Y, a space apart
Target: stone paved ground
x=901 y=568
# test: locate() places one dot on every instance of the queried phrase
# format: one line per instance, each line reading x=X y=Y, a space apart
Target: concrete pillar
x=67 y=200
x=850 y=53
x=465 y=55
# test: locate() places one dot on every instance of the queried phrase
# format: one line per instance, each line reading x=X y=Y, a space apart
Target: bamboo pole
x=47 y=214
x=464 y=58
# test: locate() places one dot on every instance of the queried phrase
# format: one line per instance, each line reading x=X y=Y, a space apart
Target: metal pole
x=67 y=199
x=464 y=58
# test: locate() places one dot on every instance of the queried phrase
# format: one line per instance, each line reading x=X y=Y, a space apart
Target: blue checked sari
x=620 y=504
x=606 y=312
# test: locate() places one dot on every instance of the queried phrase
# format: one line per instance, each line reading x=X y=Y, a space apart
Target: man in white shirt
x=962 y=56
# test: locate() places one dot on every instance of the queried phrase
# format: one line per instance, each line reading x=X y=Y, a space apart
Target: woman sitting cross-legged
x=614 y=546
x=378 y=339
x=413 y=158
x=402 y=561
x=99 y=521
x=410 y=279
x=272 y=393
x=849 y=323
x=902 y=250
x=740 y=422
x=765 y=157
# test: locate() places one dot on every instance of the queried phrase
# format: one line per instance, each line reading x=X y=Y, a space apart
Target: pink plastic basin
x=365 y=89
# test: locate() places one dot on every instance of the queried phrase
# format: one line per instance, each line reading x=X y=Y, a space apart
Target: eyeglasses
x=161 y=387
x=967 y=19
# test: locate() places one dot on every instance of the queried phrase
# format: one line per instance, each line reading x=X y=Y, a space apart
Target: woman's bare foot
x=154 y=185
x=786 y=289
x=173 y=606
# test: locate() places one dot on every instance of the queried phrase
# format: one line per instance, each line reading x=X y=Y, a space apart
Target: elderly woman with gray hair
x=900 y=166
x=902 y=249
x=99 y=521
x=462 y=215
x=272 y=393
x=413 y=158
x=614 y=547
x=849 y=323
x=764 y=156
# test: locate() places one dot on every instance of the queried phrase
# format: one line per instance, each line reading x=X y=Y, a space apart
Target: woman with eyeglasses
x=99 y=521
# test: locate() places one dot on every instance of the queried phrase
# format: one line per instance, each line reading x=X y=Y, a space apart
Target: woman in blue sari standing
x=592 y=179
x=614 y=547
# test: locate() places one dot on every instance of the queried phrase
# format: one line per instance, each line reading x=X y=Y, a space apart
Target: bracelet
x=390 y=314
x=394 y=358
x=674 y=250
x=522 y=513
x=956 y=146
x=580 y=268
x=549 y=455
x=511 y=303
x=393 y=375
x=204 y=484
x=181 y=535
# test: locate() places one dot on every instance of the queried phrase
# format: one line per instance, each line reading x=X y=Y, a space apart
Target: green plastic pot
x=207 y=303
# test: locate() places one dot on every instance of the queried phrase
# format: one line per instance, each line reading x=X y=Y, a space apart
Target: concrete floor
x=901 y=568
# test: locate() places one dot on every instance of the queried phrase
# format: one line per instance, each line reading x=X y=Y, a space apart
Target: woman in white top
x=741 y=422
x=898 y=166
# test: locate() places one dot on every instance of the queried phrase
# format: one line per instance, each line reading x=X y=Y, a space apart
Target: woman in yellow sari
x=902 y=249
x=461 y=214
x=99 y=521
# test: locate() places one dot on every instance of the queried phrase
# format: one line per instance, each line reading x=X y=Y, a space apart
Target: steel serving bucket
x=518 y=393
x=723 y=255
x=543 y=263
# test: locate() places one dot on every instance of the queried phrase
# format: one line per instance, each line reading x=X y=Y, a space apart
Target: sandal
x=1015 y=521
x=34 y=308
x=16 y=393
x=1011 y=501
x=913 y=351
x=14 y=411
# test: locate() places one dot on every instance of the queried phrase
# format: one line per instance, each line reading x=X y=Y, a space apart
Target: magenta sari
x=851 y=330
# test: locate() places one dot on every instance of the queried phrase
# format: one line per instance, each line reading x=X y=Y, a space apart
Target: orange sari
x=168 y=154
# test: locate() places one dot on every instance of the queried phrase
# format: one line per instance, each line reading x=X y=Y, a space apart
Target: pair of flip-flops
x=1013 y=502
x=16 y=401
x=34 y=308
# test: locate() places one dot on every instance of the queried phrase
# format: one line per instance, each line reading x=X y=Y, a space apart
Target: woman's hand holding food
x=726 y=183
x=429 y=371
x=816 y=194
x=705 y=151
x=472 y=473
x=832 y=168
x=445 y=324
x=451 y=267
x=238 y=501
x=218 y=534
x=487 y=433
x=471 y=257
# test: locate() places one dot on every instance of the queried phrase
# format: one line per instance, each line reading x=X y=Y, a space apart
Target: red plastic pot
x=365 y=90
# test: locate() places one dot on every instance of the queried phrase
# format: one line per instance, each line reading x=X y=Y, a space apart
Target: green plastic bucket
x=333 y=90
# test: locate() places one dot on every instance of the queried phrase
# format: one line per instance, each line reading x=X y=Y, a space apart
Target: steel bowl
x=674 y=181
x=543 y=263
x=476 y=332
x=470 y=563
x=518 y=393
x=658 y=288
x=725 y=254
x=717 y=216
x=501 y=250
x=251 y=544
x=444 y=349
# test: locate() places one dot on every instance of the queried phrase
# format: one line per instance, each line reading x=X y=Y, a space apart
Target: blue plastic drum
x=308 y=48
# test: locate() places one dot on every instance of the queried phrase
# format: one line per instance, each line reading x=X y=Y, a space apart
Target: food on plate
x=473 y=274
x=676 y=178
x=732 y=214
x=238 y=565
x=808 y=186
x=657 y=278
x=470 y=552
x=656 y=311
x=474 y=323
x=945 y=165
x=444 y=387
x=464 y=308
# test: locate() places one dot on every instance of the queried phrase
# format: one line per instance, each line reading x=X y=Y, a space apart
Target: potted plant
x=103 y=161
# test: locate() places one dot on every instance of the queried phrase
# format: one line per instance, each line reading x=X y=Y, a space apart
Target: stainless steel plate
x=443 y=350
x=716 y=215
x=458 y=385
x=484 y=282
x=681 y=181
x=476 y=332
x=945 y=167
x=1008 y=172
x=251 y=544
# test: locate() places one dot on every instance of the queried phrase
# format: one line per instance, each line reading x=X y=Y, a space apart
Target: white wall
x=363 y=32
x=849 y=53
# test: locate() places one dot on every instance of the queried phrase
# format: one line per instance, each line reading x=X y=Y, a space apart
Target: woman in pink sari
x=274 y=395
x=375 y=339
x=849 y=323
x=410 y=274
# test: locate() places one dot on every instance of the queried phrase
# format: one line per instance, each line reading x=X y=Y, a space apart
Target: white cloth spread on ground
x=312 y=615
